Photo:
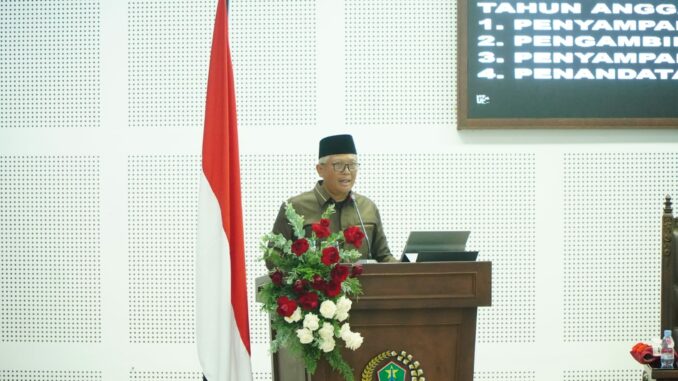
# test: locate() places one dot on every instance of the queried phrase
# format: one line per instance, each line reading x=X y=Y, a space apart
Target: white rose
x=327 y=331
x=341 y=315
x=327 y=344
x=344 y=331
x=305 y=336
x=327 y=309
x=295 y=317
x=344 y=305
x=353 y=341
x=311 y=321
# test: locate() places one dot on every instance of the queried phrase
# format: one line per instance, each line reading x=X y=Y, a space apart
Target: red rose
x=330 y=255
x=299 y=286
x=300 y=246
x=339 y=273
x=318 y=283
x=286 y=306
x=308 y=301
x=354 y=236
x=325 y=222
x=356 y=270
x=320 y=230
x=277 y=277
x=333 y=288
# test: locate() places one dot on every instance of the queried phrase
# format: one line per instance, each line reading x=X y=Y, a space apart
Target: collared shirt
x=313 y=203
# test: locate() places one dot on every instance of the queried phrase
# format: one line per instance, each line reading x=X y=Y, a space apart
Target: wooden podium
x=426 y=311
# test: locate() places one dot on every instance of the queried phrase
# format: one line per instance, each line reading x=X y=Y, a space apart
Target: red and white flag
x=222 y=326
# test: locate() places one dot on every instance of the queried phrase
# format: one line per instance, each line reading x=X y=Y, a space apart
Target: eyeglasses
x=341 y=167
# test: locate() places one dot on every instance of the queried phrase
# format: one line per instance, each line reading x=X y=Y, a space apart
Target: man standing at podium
x=338 y=166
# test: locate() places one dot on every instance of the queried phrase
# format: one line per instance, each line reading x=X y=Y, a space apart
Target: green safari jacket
x=313 y=203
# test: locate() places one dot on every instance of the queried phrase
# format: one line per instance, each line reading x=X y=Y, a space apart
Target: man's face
x=338 y=179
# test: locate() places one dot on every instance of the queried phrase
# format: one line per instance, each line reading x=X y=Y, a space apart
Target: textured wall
x=101 y=110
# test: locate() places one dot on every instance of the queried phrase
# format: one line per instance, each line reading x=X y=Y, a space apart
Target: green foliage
x=329 y=211
x=340 y=365
x=311 y=357
x=351 y=255
x=296 y=221
x=352 y=286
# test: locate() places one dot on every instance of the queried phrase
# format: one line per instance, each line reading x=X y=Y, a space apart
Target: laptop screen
x=437 y=246
x=436 y=241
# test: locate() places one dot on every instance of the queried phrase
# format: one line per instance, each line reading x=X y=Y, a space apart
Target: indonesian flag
x=222 y=326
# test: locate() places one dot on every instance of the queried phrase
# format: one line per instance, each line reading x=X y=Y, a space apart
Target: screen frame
x=464 y=122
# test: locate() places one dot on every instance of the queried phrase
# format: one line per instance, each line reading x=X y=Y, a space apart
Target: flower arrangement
x=307 y=297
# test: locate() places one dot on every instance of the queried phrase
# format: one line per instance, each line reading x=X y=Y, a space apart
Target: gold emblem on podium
x=393 y=366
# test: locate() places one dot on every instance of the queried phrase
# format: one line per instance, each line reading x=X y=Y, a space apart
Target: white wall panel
x=168 y=58
x=162 y=223
x=50 y=274
x=602 y=375
x=400 y=62
x=612 y=202
x=504 y=376
x=47 y=375
x=276 y=62
x=49 y=66
x=137 y=375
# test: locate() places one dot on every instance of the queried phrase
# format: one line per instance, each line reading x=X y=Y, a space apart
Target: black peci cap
x=335 y=145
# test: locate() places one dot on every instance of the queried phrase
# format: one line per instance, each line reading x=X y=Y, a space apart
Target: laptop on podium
x=437 y=246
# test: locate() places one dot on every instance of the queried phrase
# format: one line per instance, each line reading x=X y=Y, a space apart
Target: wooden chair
x=669 y=289
x=669 y=281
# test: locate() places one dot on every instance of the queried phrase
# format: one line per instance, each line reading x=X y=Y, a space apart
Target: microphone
x=362 y=225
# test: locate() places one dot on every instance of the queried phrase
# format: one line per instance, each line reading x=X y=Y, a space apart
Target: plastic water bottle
x=667 y=350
